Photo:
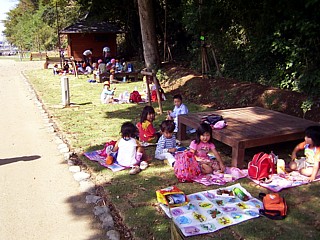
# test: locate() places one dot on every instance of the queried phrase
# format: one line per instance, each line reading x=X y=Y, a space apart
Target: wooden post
x=146 y=74
x=148 y=90
x=155 y=80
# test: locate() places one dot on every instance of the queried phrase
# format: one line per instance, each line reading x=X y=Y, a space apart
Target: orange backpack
x=275 y=207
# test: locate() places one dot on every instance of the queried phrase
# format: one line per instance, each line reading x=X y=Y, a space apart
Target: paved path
x=39 y=199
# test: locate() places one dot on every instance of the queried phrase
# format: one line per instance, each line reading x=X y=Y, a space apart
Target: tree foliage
x=32 y=25
x=273 y=42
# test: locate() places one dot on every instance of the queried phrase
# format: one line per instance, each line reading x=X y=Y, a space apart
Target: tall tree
x=148 y=33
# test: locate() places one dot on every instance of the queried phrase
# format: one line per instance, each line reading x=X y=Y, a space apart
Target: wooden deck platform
x=249 y=127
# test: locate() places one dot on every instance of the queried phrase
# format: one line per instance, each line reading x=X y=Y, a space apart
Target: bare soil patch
x=223 y=93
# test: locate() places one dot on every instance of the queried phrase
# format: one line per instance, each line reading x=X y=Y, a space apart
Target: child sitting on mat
x=201 y=146
x=308 y=165
x=166 y=146
x=129 y=151
x=107 y=93
x=147 y=133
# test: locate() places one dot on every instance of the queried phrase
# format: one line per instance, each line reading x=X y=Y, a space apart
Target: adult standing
x=87 y=56
x=106 y=54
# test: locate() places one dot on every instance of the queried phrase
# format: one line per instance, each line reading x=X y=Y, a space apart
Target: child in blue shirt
x=107 y=93
x=179 y=108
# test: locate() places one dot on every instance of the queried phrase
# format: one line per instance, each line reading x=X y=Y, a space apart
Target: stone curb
x=82 y=177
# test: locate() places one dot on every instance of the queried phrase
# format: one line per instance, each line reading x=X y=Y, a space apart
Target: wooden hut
x=89 y=33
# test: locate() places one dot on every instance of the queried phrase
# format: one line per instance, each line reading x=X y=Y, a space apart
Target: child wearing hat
x=107 y=93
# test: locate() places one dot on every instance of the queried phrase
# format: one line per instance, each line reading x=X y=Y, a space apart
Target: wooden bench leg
x=237 y=157
x=181 y=134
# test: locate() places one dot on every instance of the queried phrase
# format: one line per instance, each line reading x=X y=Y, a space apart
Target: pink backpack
x=186 y=167
x=108 y=148
x=261 y=166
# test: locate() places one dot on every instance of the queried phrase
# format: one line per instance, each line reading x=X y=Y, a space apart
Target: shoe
x=143 y=165
x=168 y=163
x=134 y=170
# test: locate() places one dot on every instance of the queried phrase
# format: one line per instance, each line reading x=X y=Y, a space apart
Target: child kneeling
x=130 y=152
x=166 y=146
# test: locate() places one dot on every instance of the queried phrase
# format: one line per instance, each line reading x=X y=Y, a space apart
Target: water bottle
x=240 y=194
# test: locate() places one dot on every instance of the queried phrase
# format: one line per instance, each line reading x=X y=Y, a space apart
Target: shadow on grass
x=134 y=196
x=81 y=104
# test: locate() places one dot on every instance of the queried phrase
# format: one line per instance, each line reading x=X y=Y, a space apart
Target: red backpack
x=261 y=166
x=135 y=97
x=186 y=167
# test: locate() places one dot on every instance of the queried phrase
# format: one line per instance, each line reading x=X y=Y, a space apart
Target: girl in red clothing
x=147 y=133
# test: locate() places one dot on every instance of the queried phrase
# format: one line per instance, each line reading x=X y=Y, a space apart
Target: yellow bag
x=171 y=196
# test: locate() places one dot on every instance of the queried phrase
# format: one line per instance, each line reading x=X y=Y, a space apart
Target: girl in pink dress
x=201 y=146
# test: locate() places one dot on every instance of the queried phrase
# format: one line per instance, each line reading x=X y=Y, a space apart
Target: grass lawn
x=88 y=124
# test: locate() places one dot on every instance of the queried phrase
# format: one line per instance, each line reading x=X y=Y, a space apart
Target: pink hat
x=113 y=60
x=99 y=61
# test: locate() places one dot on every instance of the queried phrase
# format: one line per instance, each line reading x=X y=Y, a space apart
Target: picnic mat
x=284 y=180
x=231 y=174
x=208 y=211
x=95 y=156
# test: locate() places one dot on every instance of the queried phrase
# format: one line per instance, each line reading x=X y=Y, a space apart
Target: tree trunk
x=148 y=33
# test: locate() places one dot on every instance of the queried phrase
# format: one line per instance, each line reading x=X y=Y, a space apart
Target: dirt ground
x=222 y=93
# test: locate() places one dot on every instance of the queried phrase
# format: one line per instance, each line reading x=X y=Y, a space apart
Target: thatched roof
x=91 y=26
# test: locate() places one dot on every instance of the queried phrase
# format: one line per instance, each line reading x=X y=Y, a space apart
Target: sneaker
x=143 y=165
x=134 y=170
x=168 y=163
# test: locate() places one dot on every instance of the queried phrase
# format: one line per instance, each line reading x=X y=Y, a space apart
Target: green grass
x=88 y=124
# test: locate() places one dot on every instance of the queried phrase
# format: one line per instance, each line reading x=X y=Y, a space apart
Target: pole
x=65 y=92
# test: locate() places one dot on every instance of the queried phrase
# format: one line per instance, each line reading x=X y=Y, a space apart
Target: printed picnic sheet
x=284 y=180
x=208 y=211
x=95 y=156
x=231 y=174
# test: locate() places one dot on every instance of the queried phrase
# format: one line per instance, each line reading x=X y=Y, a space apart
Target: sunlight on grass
x=88 y=124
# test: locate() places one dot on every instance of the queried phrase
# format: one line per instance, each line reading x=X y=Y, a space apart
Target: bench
x=128 y=75
x=38 y=55
x=249 y=127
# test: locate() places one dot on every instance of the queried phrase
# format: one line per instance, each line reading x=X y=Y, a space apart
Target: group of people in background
x=89 y=65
